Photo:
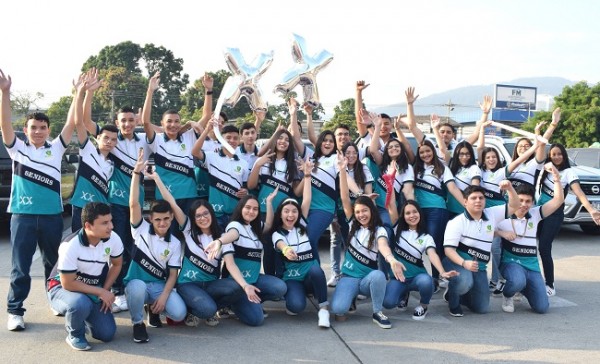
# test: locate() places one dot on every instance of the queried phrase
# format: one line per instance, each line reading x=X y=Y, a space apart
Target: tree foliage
x=343 y=114
x=580 y=116
x=57 y=113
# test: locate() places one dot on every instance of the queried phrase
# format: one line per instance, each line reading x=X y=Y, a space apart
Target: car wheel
x=590 y=229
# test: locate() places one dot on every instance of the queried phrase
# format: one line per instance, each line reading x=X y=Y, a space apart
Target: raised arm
x=269 y=213
x=485 y=107
x=153 y=85
x=295 y=128
x=513 y=199
x=576 y=188
x=307 y=187
x=207 y=82
x=254 y=176
x=441 y=146
x=410 y=154
x=559 y=197
x=540 y=150
x=344 y=191
x=393 y=207
x=8 y=133
x=411 y=121
x=310 y=127
x=167 y=196
x=67 y=131
x=135 y=210
x=374 y=148
x=266 y=145
x=358 y=106
x=524 y=156
x=93 y=83
x=553 y=124
x=80 y=94
x=197 y=148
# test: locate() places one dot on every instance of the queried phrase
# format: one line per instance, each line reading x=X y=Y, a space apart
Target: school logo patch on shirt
x=165 y=254
x=420 y=241
x=49 y=153
x=182 y=147
x=529 y=225
x=107 y=254
x=489 y=228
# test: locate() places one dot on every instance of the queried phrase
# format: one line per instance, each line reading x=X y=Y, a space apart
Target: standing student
x=89 y=261
x=35 y=200
x=520 y=265
x=154 y=265
x=466 y=173
x=409 y=245
x=550 y=226
x=302 y=273
x=468 y=244
x=367 y=239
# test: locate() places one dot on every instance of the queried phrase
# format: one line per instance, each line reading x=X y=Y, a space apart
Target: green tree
x=343 y=114
x=57 y=113
x=580 y=116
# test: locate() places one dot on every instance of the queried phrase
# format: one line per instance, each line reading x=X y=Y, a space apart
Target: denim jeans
x=250 y=313
x=27 y=232
x=314 y=282
x=318 y=221
x=75 y=218
x=396 y=290
x=272 y=261
x=139 y=293
x=122 y=227
x=496 y=255
x=337 y=239
x=382 y=265
x=203 y=299
x=373 y=285
x=468 y=288
x=530 y=283
x=79 y=310
x=436 y=220
x=547 y=231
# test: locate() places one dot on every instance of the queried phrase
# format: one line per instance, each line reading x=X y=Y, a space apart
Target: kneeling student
x=89 y=261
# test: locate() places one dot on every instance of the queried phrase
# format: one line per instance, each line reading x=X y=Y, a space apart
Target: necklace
x=251 y=236
x=293 y=246
x=512 y=222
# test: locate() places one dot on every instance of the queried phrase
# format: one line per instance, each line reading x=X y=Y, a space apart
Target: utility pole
x=112 y=105
x=450 y=106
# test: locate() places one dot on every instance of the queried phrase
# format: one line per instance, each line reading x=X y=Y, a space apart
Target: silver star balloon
x=244 y=81
x=304 y=71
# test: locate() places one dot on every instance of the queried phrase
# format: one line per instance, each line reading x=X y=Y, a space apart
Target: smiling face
x=386 y=127
x=523 y=146
x=525 y=203
x=250 y=211
x=556 y=156
x=426 y=154
x=411 y=216
x=203 y=219
x=289 y=216
x=464 y=155
x=394 y=148
x=342 y=136
x=362 y=213
x=491 y=160
x=352 y=155
x=171 y=124
x=475 y=203
x=447 y=133
x=282 y=144
x=37 y=131
x=232 y=139
x=126 y=123
x=328 y=145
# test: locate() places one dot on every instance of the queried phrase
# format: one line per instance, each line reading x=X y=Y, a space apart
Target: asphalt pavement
x=567 y=333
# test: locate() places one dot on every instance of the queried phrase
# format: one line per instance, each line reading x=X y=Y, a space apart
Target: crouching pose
x=519 y=263
x=89 y=261
x=157 y=258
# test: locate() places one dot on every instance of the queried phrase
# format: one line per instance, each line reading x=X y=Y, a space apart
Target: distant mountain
x=462 y=104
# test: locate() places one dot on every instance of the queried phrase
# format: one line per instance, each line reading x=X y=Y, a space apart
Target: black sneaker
x=499 y=289
x=403 y=304
x=419 y=313
x=153 y=318
x=139 y=333
x=381 y=320
x=456 y=312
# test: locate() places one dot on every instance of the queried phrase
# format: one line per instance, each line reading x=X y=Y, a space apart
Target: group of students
x=230 y=230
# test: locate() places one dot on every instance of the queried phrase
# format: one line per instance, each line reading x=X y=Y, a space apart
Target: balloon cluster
x=244 y=81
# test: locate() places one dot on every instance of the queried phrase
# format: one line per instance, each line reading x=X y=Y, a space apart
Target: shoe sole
x=508 y=310
x=383 y=326
x=76 y=348
x=325 y=326
x=141 y=341
x=419 y=318
x=455 y=314
x=16 y=328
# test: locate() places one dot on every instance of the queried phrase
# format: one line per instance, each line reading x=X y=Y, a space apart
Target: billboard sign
x=515 y=97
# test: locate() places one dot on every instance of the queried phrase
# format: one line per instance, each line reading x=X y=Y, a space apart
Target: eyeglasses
x=524 y=146
x=204 y=215
x=464 y=154
x=343 y=134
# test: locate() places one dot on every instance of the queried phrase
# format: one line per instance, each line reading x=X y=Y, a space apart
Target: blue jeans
x=337 y=241
x=79 y=310
x=496 y=255
x=531 y=283
x=295 y=298
x=203 y=299
x=547 y=231
x=382 y=265
x=75 y=218
x=436 y=220
x=468 y=288
x=139 y=293
x=396 y=290
x=122 y=227
x=250 y=313
x=27 y=232
x=272 y=261
x=373 y=285
x=318 y=221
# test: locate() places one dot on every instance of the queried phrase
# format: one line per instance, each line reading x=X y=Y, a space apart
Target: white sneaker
x=324 y=318
x=15 y=323
x=550 y=291
x=508 y=304
x=518 y=297
x=120 y=304
x=333 y=281
x=361 y=297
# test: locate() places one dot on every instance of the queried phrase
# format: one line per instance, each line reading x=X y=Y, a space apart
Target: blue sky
x=432 y=45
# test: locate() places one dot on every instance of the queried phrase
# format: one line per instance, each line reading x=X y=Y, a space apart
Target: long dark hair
x=515 y=153
x=278 y=222
x=455 y=161
x=403 y=225
x=485 y=151
x=291 y=172
x=401 y=160
x=359 y=173
x=236 y=215
x=318 y=153
x=373 y=223
x=215 y=230
x=438 y=167
x=565 y=162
